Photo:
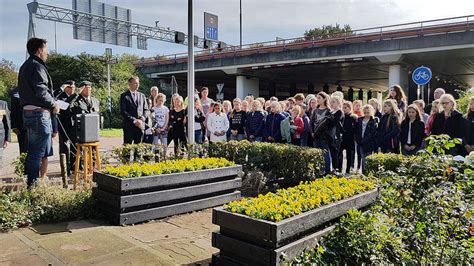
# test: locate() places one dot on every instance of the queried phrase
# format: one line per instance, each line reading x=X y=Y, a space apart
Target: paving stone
x=200 y=223
x=84 y=245
x=84 y=224
x=155 y=231
x=135 y=256
x=28 y=260
x=10 y=244
x=187 y=251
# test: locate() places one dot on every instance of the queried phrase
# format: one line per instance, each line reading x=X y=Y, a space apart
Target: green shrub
x=426 y=202
x=282 y=163
x=360 y=238
x=43 y=205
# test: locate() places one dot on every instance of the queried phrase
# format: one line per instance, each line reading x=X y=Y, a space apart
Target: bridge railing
x=404 y=30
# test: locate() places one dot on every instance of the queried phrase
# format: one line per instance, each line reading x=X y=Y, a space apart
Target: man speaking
x=134 y=110
x=36 y=97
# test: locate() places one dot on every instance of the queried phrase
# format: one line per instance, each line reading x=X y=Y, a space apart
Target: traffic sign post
x=421 y=76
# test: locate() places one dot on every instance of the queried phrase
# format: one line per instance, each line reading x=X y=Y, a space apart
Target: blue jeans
x=239 y=137
x=198 y=136
x=322 y=144
x=39 y=130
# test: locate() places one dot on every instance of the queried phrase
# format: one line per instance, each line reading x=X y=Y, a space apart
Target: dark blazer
x=469 y=132
x=366 y=141
x=451 y=126
x=336 y=122
x=417 y=133
x=80 y=105
x=35 y=84
x=348 y=130
x=5 y=125
x=387 y=138
x=131 y=110
x=255 y=124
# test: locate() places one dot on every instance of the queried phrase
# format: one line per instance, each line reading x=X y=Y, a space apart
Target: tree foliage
x=327 y=31
x=8 y=78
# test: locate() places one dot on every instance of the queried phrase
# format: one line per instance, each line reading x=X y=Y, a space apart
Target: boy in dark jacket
x=272 y=124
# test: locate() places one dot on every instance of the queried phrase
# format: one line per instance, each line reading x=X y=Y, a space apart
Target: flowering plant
x=292 y=201
x=166 y=167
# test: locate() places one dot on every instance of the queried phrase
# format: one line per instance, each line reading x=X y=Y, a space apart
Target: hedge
x=281 y=163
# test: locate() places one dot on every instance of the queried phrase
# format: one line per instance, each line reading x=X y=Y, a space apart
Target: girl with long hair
x=412 y=130
x=177 y=122
x=397 y=94
x=389 y=127
x=365 y=132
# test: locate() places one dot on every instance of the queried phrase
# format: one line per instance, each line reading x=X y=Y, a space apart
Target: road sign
x=421 y=75
x=220 y=94
x=210 y=26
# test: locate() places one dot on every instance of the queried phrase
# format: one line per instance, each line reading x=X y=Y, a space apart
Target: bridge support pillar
x=247 y=86
x=397 y=75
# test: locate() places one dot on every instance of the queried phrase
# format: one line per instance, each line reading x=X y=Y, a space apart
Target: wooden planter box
x=251 y=241
x=134 y=200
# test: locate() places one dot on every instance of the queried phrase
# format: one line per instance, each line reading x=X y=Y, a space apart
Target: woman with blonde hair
x=177 y=122
x=348 y=136
x=377 y=107
x=389 y=128
x=449 y=122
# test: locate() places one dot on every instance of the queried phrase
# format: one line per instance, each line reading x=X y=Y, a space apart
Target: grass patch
x=111 y=132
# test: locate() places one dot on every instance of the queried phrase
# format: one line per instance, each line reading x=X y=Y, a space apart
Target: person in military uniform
x=83 y=103
x=5 y=135
x=67 y=94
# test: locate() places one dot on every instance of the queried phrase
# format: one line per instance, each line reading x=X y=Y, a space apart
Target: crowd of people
x=324 y=121
x=329 y=122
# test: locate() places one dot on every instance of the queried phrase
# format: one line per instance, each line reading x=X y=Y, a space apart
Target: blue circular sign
x=421 y=75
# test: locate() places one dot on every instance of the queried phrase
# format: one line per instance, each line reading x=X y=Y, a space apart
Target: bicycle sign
x=421 y=75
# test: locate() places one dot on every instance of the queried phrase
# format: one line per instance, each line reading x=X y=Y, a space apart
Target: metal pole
x=55 y=39
x=190 y=73
x=240 y=24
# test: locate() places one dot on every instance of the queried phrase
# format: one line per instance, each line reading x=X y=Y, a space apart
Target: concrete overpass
x=363 y=61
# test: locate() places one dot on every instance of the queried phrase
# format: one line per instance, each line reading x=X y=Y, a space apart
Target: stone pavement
x=179 y=240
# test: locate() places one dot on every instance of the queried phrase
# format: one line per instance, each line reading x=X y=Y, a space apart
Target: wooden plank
x=165 y=211
x=247 y=228
x=297 y=225
x=119 y=185
x=232 y=249
x=240 y=250
x=127 y=201
x=291 y=250
x=276 y=234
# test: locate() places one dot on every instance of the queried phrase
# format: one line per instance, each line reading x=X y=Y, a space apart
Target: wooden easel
x=87 y=148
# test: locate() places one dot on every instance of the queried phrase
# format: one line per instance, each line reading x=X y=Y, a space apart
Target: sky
x=263 y=20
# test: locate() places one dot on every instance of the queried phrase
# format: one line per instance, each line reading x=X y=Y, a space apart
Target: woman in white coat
x=217 y=124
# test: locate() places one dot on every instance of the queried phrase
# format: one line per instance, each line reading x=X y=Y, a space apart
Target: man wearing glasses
x=65 y=125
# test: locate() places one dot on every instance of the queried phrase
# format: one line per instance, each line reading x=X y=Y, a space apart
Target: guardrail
x=404 y=30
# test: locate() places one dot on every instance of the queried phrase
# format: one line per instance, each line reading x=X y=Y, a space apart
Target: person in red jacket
x=297 y=127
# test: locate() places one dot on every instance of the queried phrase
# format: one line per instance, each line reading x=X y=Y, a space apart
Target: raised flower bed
x=273 y=228
x=135 y=193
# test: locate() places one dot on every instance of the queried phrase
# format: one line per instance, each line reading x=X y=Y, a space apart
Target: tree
x=8 y=79
x=327 y=31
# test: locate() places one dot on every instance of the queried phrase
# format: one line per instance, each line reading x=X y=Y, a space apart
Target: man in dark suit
x=134 y=110
x=16 y=118
x=5 y=135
